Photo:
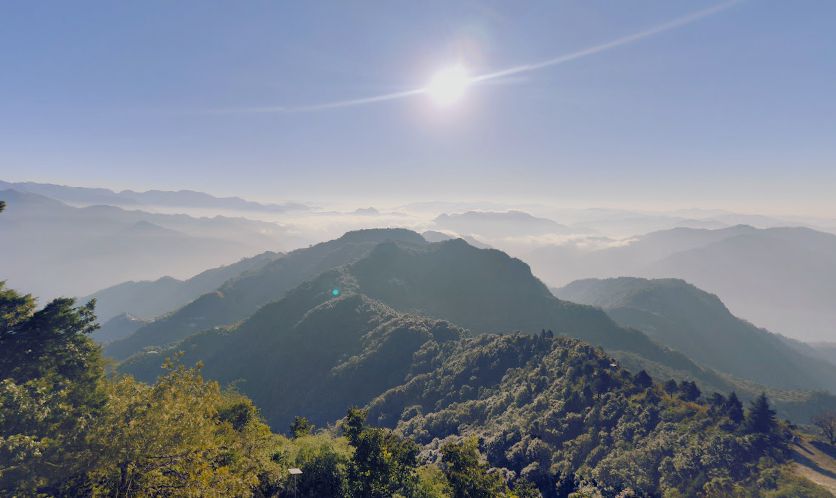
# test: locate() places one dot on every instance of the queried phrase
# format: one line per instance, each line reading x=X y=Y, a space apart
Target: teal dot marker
x=335 y=292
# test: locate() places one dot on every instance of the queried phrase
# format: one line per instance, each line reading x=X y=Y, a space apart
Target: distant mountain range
x=494 y=225
x=338 y=298
x=694 y=322
x=117 y=327
x=781 y=278
x=86 y=196
x=63 y=250
x=150 y=299
x=436 y=236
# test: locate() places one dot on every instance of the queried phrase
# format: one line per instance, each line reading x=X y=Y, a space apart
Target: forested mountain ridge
x=551 y=411
x=556 y=411
x=239 y=298
x=554 y=417
x=481 y=290
x=683 y=317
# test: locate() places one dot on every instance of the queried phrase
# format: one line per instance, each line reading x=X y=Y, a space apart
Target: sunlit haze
x=729 y=108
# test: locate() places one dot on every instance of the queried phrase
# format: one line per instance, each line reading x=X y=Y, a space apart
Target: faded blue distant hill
x=162 y=198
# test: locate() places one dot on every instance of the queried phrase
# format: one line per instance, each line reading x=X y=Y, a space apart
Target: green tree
x=324 y=462
x=432 y=483
x=467 y=475
x=525 y=489
x=67 y=430
x=760 y=418
x=733 y=408
x=689 y=391
x=177 y=436
x=383 y=463
x=354 y=424
x=643 y=380
x=50 y=393
x=301 y=427
x=671 y=387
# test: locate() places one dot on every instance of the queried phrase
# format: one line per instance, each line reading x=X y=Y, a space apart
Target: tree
x=525 y=489
x=733 y=408
x=826 y=422
x=301 y=427
x=671 y=387
x=689 y=391
x=182 y=434
x=354 y=423
x=50 y=393
x=467 y=475
x=2 y=206
x=383 y=463
x=643 y=380
x=324 y=461
x=717 y=402
x=67 y=430
x=760 y=418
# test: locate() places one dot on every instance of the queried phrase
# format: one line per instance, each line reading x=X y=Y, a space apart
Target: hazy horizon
x=652 y=106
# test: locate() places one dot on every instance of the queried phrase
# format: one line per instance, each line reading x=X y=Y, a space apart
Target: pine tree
x=760 y=418
x=643 y=380
x=734 y=408
x=689 y=391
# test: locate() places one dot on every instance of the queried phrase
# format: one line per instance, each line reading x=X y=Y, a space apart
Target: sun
x=448 y=85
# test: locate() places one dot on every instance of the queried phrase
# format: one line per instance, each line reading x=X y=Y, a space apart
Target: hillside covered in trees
x=517 y=415
x=478 y=290
x=687 y=319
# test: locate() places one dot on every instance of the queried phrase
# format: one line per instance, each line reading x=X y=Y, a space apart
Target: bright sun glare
x=448 y=85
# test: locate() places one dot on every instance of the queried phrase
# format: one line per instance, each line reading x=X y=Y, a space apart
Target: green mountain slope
x=241 y=297
x=483 y=290
x=692 y=321
x=310 y=353
x=486 y=290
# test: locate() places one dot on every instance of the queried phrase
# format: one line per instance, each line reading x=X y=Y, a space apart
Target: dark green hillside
x=241 y=297
x=310 y=353
x=486 y=290
x=482 y=290
x=311 y=334
x=692 y=321
x=557 y=412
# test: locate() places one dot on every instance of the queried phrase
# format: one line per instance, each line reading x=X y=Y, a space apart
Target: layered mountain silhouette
x=492 y=224
x=150 y=299
x=129 y=198
x=694 y=322
x=240 y=297
x=63 y=250
x=783 y=279
x=117 y=327
x=402 y=280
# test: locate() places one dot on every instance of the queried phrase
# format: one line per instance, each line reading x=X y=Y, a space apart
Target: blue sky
x=736 y=110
